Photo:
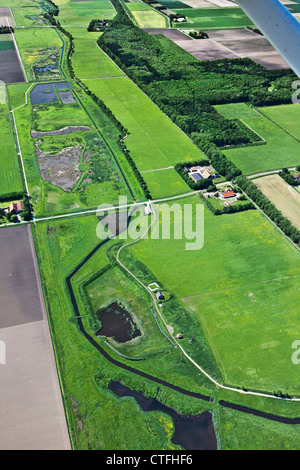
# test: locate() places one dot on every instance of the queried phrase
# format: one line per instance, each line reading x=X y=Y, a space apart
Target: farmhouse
x=228 y=194
x=16 y=207
x=198 y=173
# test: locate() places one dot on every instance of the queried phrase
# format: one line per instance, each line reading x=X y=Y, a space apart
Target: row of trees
x=186 y=88
x=6 y=29
x=268 y=208
x=232 y=209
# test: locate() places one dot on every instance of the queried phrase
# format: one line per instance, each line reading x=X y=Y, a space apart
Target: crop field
x=74 y=13
x=281 y=149
x=145 y=16
x=231 y=282
x=213 y=18
x=282 y=195
x=10 y=67
x=230 y=306
x=174 y=4
x=150 y=19
x=154 y=141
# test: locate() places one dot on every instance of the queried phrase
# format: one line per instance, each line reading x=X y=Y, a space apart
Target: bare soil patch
x=282 y=195
x=10 y=69
x=65 y=130
x=62 y=169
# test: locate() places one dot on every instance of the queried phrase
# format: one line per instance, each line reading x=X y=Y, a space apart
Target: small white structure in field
x=148 y=210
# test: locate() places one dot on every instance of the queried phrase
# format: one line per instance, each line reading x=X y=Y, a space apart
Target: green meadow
x=281 y=149
x=165 y=183
x=11 y=179
x=153 y=140
x=88 y=60
x=285 y=116
x=243 y=262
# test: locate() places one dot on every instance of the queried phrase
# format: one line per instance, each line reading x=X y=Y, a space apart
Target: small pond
x=192 y=432
x=66 y=97
x=45 y=93
x=117 y=323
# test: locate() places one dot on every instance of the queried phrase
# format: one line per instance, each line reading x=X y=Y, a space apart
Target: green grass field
x=165 y=183
x=213 y=18
x=244 y=261
x=11 y=179
x=88 y=60
x=154 y=141
x=281 y=149
x=286 y=116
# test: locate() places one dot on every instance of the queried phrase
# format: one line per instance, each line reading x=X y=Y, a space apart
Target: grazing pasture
x=88 y=60
x=154 y=141
x=11 y=180
x=285 y=116
x=281 y=149
x=253 y=262
x=75 y=13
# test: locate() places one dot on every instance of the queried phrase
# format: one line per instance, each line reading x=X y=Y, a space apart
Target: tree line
x=187 y=89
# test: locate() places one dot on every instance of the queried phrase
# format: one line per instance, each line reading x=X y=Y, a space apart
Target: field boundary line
x=26 y=99
x=158 y=169
x=249 y=127
x=261 y=113
x=13 y=17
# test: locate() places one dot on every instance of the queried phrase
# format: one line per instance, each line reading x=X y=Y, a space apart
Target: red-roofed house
x=16 y=207
x=228 y=194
